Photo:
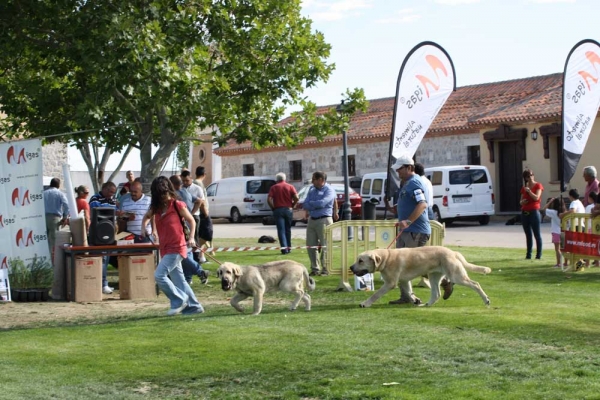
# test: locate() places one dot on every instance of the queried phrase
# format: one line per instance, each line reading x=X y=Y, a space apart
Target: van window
x=377 y=187
x=436 y=178
x=467 y=177
x=211 y=190
x=259 y=186
x=366 y=187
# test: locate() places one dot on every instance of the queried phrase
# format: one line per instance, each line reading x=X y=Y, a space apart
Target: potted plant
x=30 y=282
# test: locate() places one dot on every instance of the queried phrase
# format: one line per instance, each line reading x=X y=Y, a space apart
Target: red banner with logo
x=582 y=243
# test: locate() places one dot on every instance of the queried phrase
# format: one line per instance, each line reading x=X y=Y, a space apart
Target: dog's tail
x=472 y=267
x=310 y=282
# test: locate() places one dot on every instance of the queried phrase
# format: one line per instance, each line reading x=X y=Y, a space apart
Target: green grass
x=538 y=340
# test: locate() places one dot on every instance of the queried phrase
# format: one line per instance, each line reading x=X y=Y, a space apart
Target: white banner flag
x=581 y=100
x=22 y=217
x=425 y=82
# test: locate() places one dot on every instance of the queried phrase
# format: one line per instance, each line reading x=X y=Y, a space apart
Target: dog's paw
x=363 y=305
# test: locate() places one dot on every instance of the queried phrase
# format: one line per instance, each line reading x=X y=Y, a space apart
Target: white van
x=462 y=192
x=372 y=188
x=239 y=197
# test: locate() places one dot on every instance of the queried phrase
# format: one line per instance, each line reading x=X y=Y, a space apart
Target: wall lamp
x=534 y=134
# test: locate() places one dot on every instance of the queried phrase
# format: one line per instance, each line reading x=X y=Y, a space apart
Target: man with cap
x=412 y=216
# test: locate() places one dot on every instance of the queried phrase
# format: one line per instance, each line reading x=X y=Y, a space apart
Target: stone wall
x=369 y=157
x=54 y=156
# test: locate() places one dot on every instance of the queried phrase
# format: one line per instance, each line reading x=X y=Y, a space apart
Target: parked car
x=462 y=192
x=239 y=197
x=301 y=215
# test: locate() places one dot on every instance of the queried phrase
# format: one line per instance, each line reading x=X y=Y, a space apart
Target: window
x=211 y=190
x=468 y=176
x=351 y=165
x=259 y=186
x=436 y=178
x=377 y=187
x=295 y=170
x=366 y=187
x=248 y=169
x=473 y=155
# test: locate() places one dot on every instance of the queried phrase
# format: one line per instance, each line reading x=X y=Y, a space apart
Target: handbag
x=186 y=229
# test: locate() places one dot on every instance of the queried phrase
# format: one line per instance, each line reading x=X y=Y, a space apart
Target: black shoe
x=314 y=273
x=324 y=273
x=203 y=275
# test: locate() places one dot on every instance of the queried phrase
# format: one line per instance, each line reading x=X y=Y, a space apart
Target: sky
x=487 y=40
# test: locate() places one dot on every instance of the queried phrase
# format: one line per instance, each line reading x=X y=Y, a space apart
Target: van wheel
x=236 y=217
x=484 y=220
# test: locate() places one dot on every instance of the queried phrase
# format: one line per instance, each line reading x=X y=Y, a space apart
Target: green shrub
x=38 y=274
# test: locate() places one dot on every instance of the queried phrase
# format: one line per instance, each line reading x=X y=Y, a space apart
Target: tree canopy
x=132 y=73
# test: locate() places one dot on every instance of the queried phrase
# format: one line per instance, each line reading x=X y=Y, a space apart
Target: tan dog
x=254 y=280
x=403 y=265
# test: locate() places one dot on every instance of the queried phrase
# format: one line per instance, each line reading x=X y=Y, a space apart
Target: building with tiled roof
x=489 y=124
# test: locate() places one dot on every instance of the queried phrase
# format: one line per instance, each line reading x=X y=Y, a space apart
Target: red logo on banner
x=3 y=261
x=593 y=58
x=16 y=155
x=24 y=238
x=582 y=243
x=1 y=222
x=20 y=197
x=435 y=65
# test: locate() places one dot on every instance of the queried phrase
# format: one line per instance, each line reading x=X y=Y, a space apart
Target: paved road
x=495 y=234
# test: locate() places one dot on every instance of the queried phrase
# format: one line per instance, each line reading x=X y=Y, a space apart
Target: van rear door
x=256 y=194
x=470 y=191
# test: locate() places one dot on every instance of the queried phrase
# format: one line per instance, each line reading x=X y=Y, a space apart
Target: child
x=553 y=208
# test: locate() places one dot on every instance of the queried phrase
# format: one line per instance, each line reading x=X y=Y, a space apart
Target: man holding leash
x=412 y=217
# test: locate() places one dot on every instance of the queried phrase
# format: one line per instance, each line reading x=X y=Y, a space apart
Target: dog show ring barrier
x=374 y=235
x=579 y=240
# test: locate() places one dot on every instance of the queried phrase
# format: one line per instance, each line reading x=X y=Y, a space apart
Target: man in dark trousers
x=282 y=199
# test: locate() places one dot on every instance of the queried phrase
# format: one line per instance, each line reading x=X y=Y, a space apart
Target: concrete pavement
x=495 y=234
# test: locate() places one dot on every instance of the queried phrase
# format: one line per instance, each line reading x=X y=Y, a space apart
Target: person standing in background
x=197 y=192
x=531 y=195
x=205 y=232
x=319 y=204
x=589 y=175
x=132 y=209
x=282 y=199
x=57 y=211
x=82 y=204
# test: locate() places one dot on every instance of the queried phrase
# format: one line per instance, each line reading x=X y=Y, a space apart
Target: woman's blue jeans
x=176 y=288
x=531 y=226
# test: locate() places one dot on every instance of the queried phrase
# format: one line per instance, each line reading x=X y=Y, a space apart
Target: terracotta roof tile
x=467 y=110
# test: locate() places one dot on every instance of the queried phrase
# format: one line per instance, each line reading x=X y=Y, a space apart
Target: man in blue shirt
x=57 y=211
x=319 y=204
x=412 y=217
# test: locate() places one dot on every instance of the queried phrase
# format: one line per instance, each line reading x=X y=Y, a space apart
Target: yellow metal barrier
x=368 y=235
x=568 y=224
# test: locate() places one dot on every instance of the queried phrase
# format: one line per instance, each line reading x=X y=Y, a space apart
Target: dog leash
x=396 y=238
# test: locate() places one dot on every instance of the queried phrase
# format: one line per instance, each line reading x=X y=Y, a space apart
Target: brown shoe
x=448 y=288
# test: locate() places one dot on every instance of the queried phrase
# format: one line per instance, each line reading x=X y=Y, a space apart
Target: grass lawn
x=539 y=339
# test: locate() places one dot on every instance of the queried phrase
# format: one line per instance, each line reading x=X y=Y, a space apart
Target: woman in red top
x=82 y=204
x=167 y=211
x=531 y=194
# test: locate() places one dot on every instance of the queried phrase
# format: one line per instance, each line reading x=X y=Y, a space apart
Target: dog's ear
x=237 y=271
x=219 y=273
x=377 y=261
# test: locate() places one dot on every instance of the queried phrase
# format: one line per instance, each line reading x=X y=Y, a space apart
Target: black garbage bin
x=368 y=209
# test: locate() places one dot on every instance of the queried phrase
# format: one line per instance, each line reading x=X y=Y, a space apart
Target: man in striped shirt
x=132 y=209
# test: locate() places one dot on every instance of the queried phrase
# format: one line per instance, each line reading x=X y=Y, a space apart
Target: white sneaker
x=202 y=259
x=175 y=311
x=107 y=289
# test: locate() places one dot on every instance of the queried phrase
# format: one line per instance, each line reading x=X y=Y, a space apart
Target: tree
x=137 y=73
